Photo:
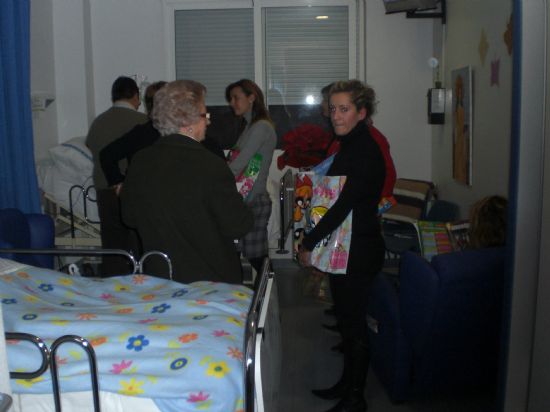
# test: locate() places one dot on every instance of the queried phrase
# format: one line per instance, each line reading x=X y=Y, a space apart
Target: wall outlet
x=41 y=100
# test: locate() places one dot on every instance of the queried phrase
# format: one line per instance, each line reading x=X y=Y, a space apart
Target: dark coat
x=140 y=137
x=361 y=160
x=183 y=201
x=106 y=128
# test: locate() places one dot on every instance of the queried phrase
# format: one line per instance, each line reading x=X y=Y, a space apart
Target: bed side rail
x=84 y=344
x=155 y=253
x=49 y=360
x=286 y=201
x=86 y=197
x=40 y=345
x=254 y=336
x=137 y=265
x=76 y=252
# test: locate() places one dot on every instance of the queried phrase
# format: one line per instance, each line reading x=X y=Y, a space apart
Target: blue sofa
x=20 y=230
x=436 y=330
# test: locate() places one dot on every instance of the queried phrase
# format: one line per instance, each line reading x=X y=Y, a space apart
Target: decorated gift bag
x=303 y=191
x=331 y=254
x=245 y=180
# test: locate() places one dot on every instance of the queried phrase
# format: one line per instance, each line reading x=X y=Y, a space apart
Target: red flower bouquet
x=304 y=146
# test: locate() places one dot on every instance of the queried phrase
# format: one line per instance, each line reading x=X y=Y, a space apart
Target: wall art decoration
x=483 y=46
x=461 y=80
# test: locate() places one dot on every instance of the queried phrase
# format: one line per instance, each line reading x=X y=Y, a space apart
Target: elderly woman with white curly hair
x=181 y=198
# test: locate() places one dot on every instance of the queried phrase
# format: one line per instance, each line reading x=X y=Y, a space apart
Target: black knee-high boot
x=341 y=387
x=353 y=399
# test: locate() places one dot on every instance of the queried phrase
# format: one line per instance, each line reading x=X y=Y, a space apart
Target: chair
x=412 y=198
x=20 y=230
x=398 y=223
x=442 y=211
x=438 y=331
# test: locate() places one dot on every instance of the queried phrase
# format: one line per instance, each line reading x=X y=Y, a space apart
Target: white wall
x=397 y=56
x=491 y=104
x=78 y=48
x=127 y=39
x=70 y=69
x=43 y=75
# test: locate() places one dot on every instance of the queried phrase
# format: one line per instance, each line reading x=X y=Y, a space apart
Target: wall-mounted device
x=436 y=104
x=418 y=8
x=397 y=6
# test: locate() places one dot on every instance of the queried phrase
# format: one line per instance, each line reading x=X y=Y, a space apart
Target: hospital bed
x=159 y=345
x=68 y=194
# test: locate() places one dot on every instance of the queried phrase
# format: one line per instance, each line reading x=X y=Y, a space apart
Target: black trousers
x=350 y=295
x=115 y=234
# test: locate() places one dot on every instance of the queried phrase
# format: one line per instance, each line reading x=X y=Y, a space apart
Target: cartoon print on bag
x=317 y=212
x=302 y=197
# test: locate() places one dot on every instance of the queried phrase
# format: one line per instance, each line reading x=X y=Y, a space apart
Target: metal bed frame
x=49 y=360
x=48 y=354
x=68 y=222
x=262 y=330
x=136 y=264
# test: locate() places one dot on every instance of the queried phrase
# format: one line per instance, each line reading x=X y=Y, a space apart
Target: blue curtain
x=18 y=183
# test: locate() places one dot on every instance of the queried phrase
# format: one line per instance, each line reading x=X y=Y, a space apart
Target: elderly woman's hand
x=304 y=257
x=117 y=188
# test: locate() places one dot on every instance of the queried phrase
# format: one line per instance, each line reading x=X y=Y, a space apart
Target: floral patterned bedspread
x=181 y=345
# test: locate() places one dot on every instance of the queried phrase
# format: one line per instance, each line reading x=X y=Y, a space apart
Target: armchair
x=438 y=331
x=398 y=223
x=20 y=230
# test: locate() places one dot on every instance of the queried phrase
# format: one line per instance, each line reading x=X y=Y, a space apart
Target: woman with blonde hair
x=360 y=160
x=257 y=138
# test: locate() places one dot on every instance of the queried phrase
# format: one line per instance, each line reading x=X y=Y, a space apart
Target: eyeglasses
x=205 y=115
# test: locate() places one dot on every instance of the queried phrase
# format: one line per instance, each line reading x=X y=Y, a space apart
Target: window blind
x=304 y=53
x=214 y=47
